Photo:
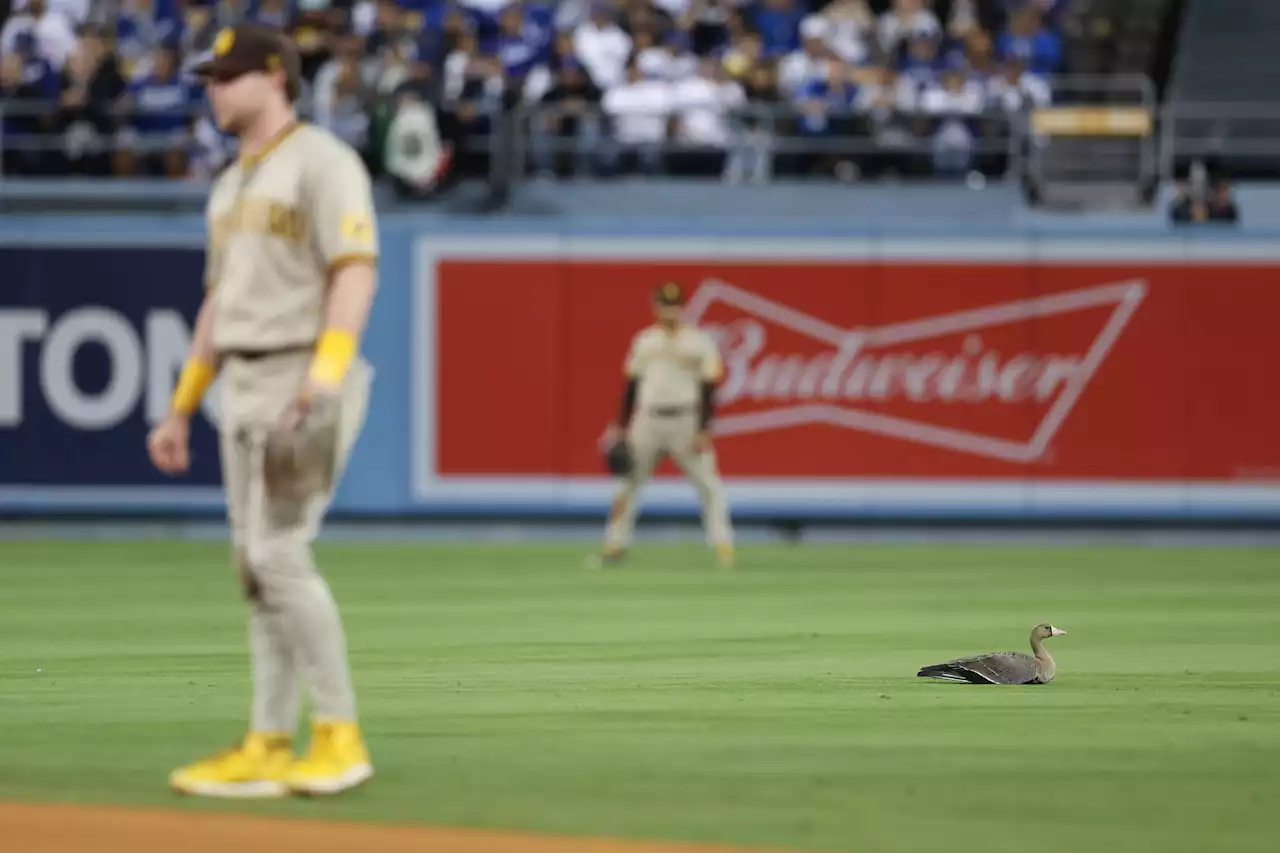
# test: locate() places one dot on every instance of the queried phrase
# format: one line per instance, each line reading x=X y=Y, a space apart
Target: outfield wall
x=995 y=374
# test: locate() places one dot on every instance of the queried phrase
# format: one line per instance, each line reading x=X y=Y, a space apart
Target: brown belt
x=258 y=354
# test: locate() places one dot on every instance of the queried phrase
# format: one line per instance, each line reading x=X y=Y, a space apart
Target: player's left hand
x=702 y=442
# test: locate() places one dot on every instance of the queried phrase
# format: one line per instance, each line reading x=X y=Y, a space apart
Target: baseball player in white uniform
x=672 y=370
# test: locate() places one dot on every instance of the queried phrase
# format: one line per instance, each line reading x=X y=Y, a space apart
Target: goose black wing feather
x=995 y=668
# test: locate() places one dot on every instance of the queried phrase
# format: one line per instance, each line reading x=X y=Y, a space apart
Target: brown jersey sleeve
x=343 y=219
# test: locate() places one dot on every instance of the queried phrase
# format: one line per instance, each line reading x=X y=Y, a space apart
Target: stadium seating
x=735 y=89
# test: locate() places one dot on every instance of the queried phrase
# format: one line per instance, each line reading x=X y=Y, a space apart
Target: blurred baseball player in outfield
x=290 y=278
x=667 y=404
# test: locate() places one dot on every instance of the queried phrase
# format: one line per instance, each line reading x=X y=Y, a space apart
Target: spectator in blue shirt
x=827 y=106
x=1030 y=42
x=141 y=27
x=823 y=99
x=160 y=107
x=778 y=22
x=37 y=72
x=918 y=70
x=541 y=14
x=485 y=24
x=29 y=82
x=922 y=61
x=817 y=97
x=521 y=44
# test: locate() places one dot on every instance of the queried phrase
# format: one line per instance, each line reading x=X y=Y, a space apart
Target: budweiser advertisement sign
x=971 y=381
x=851 y=370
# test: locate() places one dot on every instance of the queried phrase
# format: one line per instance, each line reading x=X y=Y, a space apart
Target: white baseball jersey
x=672 y=365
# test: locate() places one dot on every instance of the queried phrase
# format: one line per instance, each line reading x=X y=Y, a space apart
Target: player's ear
x=275 y=67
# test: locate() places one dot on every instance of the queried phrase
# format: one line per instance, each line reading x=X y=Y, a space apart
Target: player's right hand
x=169 y=444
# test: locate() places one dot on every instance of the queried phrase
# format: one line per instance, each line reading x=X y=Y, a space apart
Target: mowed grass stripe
x=506 y=686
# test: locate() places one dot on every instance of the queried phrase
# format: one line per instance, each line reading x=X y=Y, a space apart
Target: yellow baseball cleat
x=336 y=761
x=724 y=555
x=255 y=769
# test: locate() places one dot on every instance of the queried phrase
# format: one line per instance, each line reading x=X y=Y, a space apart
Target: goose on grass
x=1002 y=667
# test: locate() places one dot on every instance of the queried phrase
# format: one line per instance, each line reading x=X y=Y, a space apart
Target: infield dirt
x=102 y=829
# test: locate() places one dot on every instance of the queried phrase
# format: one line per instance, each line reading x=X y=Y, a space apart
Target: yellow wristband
x=334 y=354
x=195 y=379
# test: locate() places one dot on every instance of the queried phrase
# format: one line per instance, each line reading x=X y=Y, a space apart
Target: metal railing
x=768 y=136
x=36 y=132
x=767 y=131
x=1112 y=90
x=1244 y=133
x=1241 y=136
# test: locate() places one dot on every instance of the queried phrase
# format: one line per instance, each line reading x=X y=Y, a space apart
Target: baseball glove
x=618 y=458
x=299 y=461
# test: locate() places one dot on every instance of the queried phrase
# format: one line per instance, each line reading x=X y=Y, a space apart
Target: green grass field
x=506 y=686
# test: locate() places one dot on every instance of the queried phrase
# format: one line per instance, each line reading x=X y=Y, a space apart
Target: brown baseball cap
x=252 y=47
x=670 y=293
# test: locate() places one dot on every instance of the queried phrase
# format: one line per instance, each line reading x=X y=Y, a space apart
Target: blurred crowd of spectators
x=737 y=88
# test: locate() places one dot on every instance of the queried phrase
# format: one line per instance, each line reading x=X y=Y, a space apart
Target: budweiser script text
x=849 y=373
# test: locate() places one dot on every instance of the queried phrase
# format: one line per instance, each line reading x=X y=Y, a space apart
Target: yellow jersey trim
x=251 y=160
x=352 y=258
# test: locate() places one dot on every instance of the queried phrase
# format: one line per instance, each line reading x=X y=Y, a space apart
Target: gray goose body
x=1001 y=667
